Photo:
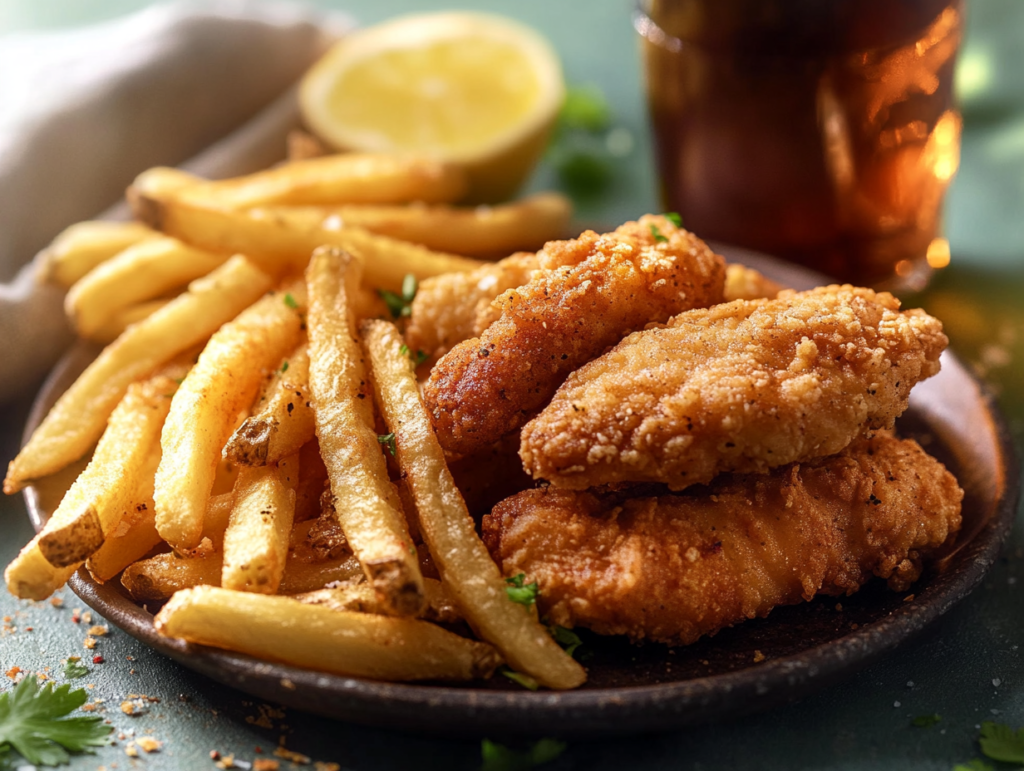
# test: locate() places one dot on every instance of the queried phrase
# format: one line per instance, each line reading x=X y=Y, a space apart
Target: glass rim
x=651 y=31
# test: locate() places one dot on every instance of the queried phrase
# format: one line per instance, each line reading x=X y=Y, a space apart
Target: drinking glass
x=821 y=131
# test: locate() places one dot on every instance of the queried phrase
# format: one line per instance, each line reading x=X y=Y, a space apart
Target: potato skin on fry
x=588 y=294
x=744 y=386
x=673 y=568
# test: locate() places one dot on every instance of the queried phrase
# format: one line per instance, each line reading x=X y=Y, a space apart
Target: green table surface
x=968 y=668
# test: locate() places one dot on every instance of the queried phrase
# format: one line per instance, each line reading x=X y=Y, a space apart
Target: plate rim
x=619 y=710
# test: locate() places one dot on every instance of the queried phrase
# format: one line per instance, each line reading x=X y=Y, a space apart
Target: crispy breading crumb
x=294 y=757
x=14 y=673
x=98 y=630
x=759 y=657
x=322 y=766
x=89 y=643
x=265 y=764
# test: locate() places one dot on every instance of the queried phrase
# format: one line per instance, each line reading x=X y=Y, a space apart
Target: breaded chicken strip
x=676 y=567
x=587 y=294
x=454 y=307
x=744 y=386
x=743 y=283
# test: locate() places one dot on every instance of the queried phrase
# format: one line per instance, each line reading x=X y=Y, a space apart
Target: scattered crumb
x=909 y=598
x=149 y=744
x=286 y=683
x=265 y=764
x=99 y=630
x=57 y=601
x=88 y=708
x=87 y=617
x=89 y=643
x=130 y=751
x=13 y=673
x=321 y=766
x=98 y=659
x=294 y=757
x=225 y=761
x=759 y=657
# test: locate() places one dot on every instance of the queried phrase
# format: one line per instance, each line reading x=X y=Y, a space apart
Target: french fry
x=256 y=540
x=313 y=637
x=79 y=417
x=157 y=578
x=365 y=501
x=143 y=271
x=82 y=246
x=223 y=382
x=482 y=231
x=280 y=245
x=360 y=598
x=115 y=326
x=466 y=568
x=135 y=536
x=282 y=422
x=335 y=179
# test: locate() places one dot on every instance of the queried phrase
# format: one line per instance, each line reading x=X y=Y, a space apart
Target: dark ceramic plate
x=642 y=688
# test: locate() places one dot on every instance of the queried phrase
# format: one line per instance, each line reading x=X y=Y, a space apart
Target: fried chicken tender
x=454 y=307
x=743 y=283
x=744 y=386
x=674 y=568
x=588 y=293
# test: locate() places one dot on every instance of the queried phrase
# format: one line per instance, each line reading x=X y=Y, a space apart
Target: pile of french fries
x=253 y=406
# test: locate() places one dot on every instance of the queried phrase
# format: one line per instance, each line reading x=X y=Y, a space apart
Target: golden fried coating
x=588 y=294
x=454 y=307
x=676 y=567
x=743 y=283
x=744 y=386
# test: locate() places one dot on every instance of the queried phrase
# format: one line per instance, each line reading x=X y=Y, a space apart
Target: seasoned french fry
x=466 y=568
x=279 y=245
x=136 y=535
x=482 y=231
x=115 y=326
x=157 y=578
x=282 y=422
x=100 y=497
x=256 y=540
x=79 y=417
x=335 y=179
x=366 y=504
x=84 y=245
x=223 y=382
x=359 y=644
x=143 y=271
x=360 y=598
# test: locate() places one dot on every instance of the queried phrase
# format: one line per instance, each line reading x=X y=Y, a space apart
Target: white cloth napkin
x=83 y=111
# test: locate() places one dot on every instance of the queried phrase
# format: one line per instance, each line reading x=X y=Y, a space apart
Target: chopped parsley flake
x=33 y=721
x=519 y=591
x=404 y=350
x=284 y=367
x=674 y=218
x=400 y=305
x=518 y=677
x=658 y=237
x=74 y=668
x=290 y=301
x=925 y=721
x=388 y=440
x=565 y=637
x=498 y=757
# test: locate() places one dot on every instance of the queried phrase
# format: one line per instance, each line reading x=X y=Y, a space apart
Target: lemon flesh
x=452 y=98
x=473 y=89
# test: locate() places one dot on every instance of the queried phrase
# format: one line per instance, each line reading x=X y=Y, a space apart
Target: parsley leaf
x=32 y=722
x=1000 y=742
x=674 y=218
x=976 y=764
x=658 y=237
x=284 y=367
x=421 y=356
x=290 y=301
x=521 y=592
x=518 y=677
x=925 y=721
x=565 y=637
x=586 y=109
x=74 y=668
x=388 y=440
x=498 y=757
x=404 y=349
x=400 y=305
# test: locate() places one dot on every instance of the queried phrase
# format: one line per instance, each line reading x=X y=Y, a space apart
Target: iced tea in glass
x=822 y=131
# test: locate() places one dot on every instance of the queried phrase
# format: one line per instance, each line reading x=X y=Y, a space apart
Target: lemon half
x=474 y=89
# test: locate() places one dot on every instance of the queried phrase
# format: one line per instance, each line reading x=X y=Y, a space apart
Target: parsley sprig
x=520 y=591
x=498 y=757
x=998 y=742
x=388 y=440
x=565 y=637
x=417 y=359
x=400 y=305
x=74 y=668
x=33 y=722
